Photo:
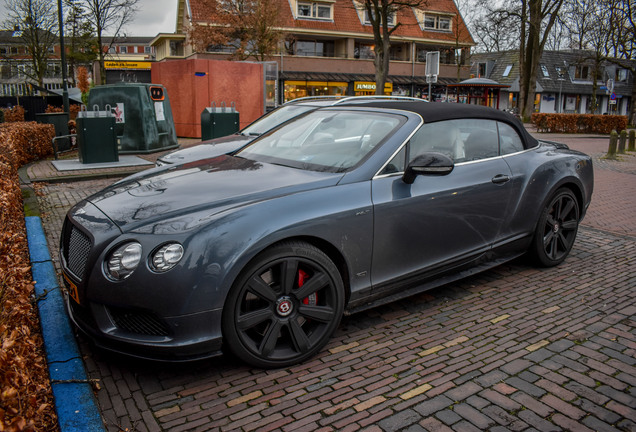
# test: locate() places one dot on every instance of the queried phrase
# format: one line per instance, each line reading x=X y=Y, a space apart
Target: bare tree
x=461 y=33
x=537 y=17
x=108 y=16
x=496 y=29
x=621 y=16
x=247 y=28
x=36 y=22
x=80 y=37
x=381 y=15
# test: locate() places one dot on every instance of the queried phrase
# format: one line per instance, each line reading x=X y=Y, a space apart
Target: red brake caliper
x=311 y=299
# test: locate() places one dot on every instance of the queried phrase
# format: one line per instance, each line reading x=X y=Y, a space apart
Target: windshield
x=328 y=140
x=274 y=118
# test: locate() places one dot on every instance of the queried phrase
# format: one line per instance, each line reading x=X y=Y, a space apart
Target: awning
x=344 y=77
x=479 y=82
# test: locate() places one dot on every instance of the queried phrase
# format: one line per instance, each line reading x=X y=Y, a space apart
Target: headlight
x=167 y=257
x=124 y=260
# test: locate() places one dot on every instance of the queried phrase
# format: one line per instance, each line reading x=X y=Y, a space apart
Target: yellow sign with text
x=127 y=65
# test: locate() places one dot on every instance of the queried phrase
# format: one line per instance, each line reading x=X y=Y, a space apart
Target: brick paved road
x=515 y=348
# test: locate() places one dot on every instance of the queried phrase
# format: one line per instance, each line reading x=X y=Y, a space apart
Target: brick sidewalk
x=515 y=348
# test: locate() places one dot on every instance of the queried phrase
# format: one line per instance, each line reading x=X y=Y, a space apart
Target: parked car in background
x=261 y=251
x=280 y=115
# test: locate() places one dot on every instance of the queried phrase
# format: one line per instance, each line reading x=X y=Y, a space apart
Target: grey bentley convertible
x=260 y=250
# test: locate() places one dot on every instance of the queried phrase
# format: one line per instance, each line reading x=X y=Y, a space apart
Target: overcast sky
x=154 y=16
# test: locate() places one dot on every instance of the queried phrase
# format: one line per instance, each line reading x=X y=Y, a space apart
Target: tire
x=284 y=306
x=556 y=229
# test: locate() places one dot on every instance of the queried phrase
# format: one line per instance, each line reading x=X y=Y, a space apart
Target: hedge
x=26 y=399
x=579 y=123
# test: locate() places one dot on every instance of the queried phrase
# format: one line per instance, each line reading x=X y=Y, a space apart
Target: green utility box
x=96 y=137
x=219 y=122
x=60 y=122
x=143 y=117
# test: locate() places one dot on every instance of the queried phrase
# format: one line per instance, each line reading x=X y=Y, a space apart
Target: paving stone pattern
x=517 y=348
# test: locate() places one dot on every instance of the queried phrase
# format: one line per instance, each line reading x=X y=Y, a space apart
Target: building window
x=314 y=10
x=561 y=72
x=544 y=70
x=581 y=72
x=364 y=51
x=482 y=70
x=434 y=22
x=148 y=49
x=315 y=48
x=21 y=71
x=507 y=71
x=3 y=50
x=622 y=75
x=123 y=50
x=390 y=18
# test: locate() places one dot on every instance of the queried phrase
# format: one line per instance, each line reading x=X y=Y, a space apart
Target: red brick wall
x=224 y=81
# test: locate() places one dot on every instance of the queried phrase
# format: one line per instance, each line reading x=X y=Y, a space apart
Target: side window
x=509 y=140
x=397 y=164
x=481 y=140
x=440 y=137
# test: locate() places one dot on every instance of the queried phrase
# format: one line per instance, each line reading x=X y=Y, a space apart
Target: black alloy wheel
x=284 y=306
x=557 y=228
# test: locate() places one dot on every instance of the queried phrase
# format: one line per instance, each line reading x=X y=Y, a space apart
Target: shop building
x=567 y=81
x=329 y=48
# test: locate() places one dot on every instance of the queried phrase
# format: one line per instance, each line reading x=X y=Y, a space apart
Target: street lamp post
x=63 y=58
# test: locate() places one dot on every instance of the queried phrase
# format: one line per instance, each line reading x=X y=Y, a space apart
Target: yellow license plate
x=72 y=289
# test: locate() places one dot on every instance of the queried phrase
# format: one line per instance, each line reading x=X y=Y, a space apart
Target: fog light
x=167 y=257
x=124 y=260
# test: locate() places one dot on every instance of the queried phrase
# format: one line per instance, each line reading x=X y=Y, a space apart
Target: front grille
x=75 y=247
x=138 y=322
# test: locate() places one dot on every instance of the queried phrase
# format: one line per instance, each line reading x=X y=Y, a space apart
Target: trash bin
x=143 y=117
x=96 y=137
x=219 y=121
x=60 y=122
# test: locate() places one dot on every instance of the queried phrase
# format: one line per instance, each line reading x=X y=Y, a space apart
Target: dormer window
x=390 y=18
x=433 y=21
x=315 y=10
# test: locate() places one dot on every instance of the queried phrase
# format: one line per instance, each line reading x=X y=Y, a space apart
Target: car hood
x=204 y=187
x=207 y=149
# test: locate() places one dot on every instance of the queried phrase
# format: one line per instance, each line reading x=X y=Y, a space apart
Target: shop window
x=314 y=10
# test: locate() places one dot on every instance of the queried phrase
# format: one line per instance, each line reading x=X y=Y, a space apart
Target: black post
x=63 y=58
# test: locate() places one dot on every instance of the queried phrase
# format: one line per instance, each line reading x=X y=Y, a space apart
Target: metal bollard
x=632 y=141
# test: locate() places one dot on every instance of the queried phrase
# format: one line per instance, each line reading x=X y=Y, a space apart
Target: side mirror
x=428 y=164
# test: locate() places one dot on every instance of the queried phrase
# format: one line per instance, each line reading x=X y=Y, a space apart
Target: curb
x=75 y=403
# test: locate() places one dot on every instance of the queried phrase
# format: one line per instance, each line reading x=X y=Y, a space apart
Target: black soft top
x=436 y=111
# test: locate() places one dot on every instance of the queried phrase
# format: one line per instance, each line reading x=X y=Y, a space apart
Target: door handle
x=500 y=179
